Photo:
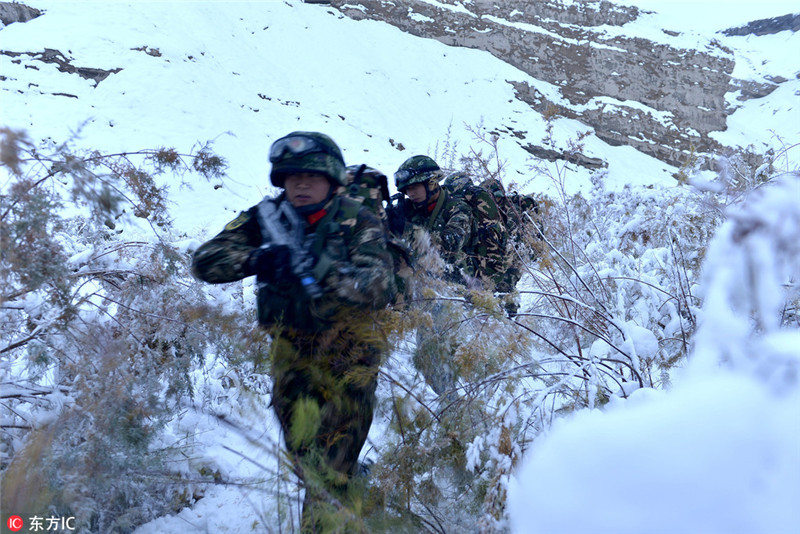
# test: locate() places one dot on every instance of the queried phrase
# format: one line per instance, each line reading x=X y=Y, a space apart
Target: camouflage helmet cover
x=495 y=187
x=457 y=181
x=415 y=170
x=322 y=156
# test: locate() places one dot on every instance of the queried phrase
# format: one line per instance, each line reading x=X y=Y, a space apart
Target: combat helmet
x=418 y=170
x=495 y=187
x=306 y=152
x=457 y=181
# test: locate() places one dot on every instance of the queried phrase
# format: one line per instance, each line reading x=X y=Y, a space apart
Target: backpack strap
x=349 y=212
x=342 y=208
x=435 y=213
x=355 y=183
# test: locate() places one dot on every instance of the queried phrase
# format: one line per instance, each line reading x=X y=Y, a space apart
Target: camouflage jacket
x=513 y=208
x=448 y=223
x=486 y=247
x=351 y=265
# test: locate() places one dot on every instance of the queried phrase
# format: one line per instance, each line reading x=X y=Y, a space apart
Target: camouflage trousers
x=436 y=347
x=510 y=277
x=324 y=396
x=515 y=264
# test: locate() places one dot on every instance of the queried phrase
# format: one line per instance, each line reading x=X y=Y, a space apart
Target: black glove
x=396 y=219
x=270 y=264
x=449 y=242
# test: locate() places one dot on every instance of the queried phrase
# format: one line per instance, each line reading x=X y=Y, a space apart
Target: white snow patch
x=719 y=452
x=458 y=7
x=80 y=257
x=714 y=457
x=354 y=6
x=765 y=122
x=418 y=17
x=538 y=29
x=663 y=117
x=708 y=16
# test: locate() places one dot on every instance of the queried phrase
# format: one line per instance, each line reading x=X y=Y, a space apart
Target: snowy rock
x=767 y=26
x=11 y=12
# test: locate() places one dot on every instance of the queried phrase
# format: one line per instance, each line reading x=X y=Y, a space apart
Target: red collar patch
x=315 y=217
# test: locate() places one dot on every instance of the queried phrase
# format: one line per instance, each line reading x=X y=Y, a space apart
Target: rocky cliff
x=11 y=12
x=659 y=97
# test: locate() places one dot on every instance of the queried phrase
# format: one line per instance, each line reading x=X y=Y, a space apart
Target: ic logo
x=14 y=523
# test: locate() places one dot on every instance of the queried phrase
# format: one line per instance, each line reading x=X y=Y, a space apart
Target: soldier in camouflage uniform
x=514 y=209
x=486 y=247
x=447 y=220
x=429 y=206
x=326 y=346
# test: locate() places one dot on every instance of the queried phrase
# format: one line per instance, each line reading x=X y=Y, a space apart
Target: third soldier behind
x=519 y=213
x=321 y=312
x=485 y=248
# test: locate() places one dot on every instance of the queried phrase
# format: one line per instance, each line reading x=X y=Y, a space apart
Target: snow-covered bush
x=105 y=337
x=610 y=303
x=99 y=330
x=717 y=452
x=608 y=307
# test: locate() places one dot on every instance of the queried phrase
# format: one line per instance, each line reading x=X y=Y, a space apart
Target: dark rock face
x=572 y=157
x=752 y=89
x=661 y=99
x=767 y=26
x=11 y=12
x=50 y=55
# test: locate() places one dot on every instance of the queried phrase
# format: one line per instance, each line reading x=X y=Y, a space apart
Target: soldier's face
x=306 y=188
x=417 y=193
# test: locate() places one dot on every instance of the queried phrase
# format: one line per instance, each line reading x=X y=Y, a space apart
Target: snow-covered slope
x=244 y=74
x=719 y=452
x=660 y=80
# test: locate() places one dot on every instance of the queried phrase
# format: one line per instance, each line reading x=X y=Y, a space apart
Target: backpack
x=369 y=187
x=481 y=202
x=460 y=185
x=513 y=207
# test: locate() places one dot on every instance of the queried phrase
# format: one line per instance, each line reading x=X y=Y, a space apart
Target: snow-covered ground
x=708 y=16
x=243 y=74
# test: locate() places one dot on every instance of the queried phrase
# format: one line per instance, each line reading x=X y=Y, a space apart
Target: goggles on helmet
x=299 y=145
x=405 y=174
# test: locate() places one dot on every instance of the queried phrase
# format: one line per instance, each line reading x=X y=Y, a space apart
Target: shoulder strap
x=349 y=208
x=326 y=226
x=435 y=213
